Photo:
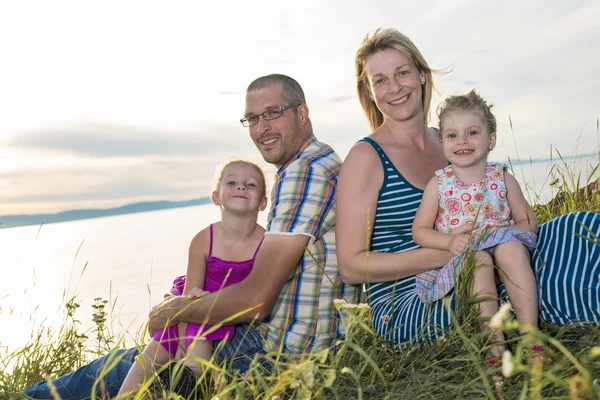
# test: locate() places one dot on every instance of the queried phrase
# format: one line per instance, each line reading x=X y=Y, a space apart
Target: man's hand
x=197 y=292
x=164 y=313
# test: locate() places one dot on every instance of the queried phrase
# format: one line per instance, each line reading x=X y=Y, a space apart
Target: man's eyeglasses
x=268 y=115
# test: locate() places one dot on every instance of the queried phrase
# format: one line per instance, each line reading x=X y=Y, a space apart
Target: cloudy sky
x=106 y=103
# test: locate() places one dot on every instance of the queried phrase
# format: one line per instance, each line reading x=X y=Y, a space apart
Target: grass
x=362 y=366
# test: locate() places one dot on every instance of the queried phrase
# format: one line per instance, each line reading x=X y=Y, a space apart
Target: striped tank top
x=398 y=314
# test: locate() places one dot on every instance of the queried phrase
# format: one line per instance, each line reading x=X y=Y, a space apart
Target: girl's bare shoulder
x=201 y=240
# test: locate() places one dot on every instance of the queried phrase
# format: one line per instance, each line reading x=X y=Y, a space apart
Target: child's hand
x=197 y=292
x=458 y=243
x=465 y=228
x=459 y=238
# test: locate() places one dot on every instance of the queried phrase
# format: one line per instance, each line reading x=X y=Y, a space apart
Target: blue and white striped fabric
x=569 y=279
x=567 y=264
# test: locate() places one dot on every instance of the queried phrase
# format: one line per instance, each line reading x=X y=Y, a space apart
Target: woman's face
x=396 y=85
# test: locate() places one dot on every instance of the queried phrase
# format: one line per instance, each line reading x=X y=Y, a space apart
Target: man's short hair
x=292 y=91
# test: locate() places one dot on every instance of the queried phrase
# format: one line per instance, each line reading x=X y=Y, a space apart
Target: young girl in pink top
x=220 y=255
x=473 y=191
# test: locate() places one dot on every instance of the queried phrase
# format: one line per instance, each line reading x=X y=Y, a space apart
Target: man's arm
x=254 y=297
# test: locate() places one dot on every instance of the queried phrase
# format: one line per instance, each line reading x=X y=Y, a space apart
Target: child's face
x=241 y=189
x=465 y=139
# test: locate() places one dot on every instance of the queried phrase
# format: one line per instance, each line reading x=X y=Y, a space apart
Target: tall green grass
x=362 y=366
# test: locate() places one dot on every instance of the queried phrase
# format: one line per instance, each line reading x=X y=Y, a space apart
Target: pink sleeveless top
x=219 y=272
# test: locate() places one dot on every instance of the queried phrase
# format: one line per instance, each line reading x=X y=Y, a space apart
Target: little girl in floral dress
x=474 y=191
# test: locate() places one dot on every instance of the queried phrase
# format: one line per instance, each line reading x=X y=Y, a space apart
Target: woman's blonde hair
x=383 y=39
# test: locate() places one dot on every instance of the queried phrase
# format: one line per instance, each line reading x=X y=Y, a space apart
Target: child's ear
x=263 y=204
x=492 y=141
x=215 y=198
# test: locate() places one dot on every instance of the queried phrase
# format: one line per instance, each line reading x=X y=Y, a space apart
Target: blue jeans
x=238 y=353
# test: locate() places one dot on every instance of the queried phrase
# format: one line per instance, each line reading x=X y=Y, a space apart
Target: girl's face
x=241 y=189
x=396 y=85
x=466 y=141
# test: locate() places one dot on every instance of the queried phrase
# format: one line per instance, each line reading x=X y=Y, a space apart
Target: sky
x=104 y=103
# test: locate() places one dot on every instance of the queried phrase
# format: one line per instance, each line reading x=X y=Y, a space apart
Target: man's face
x=278 y=140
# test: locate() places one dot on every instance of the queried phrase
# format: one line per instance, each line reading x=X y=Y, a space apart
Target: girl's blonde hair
x=471 y=101
x=258 y=169
x=383 y=39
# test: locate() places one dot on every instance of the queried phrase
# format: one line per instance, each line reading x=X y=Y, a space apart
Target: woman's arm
x=358 y=188
x=521 y=211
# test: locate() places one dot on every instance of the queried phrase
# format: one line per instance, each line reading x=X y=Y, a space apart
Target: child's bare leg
x=198 y=349
x=484 y=285
x=144 y=367
x=512 y=258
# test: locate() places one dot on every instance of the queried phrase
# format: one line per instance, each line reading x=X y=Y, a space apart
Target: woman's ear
x=263 y=204
x=423 y=80
x=215 y=198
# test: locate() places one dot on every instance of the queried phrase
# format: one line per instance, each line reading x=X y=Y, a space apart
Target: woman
x=379 y=190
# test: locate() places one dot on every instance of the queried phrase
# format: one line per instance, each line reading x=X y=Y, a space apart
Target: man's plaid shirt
x=303 y=203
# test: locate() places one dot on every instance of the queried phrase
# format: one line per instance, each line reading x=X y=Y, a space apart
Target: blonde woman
x=380 y=188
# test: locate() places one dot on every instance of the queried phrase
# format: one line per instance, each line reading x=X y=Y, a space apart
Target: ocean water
x=129 y=260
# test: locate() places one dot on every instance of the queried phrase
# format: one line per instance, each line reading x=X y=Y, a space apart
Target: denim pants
x=109 y=371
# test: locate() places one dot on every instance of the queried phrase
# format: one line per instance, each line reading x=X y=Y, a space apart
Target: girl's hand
x=459 y=238
x=197 y=292
x=458 y=243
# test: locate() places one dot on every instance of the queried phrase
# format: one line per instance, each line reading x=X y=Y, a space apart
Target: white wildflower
x=322 y=357
x=498 y=318
x=595 y=351
x=338 y=303
x=309 y=378
x=507 y=364
x=329 y=378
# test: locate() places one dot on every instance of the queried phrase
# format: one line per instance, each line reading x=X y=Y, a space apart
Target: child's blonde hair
x=471 y=101
x=233 y=161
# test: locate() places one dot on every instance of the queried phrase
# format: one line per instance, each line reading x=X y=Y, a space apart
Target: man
x=286 y=303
